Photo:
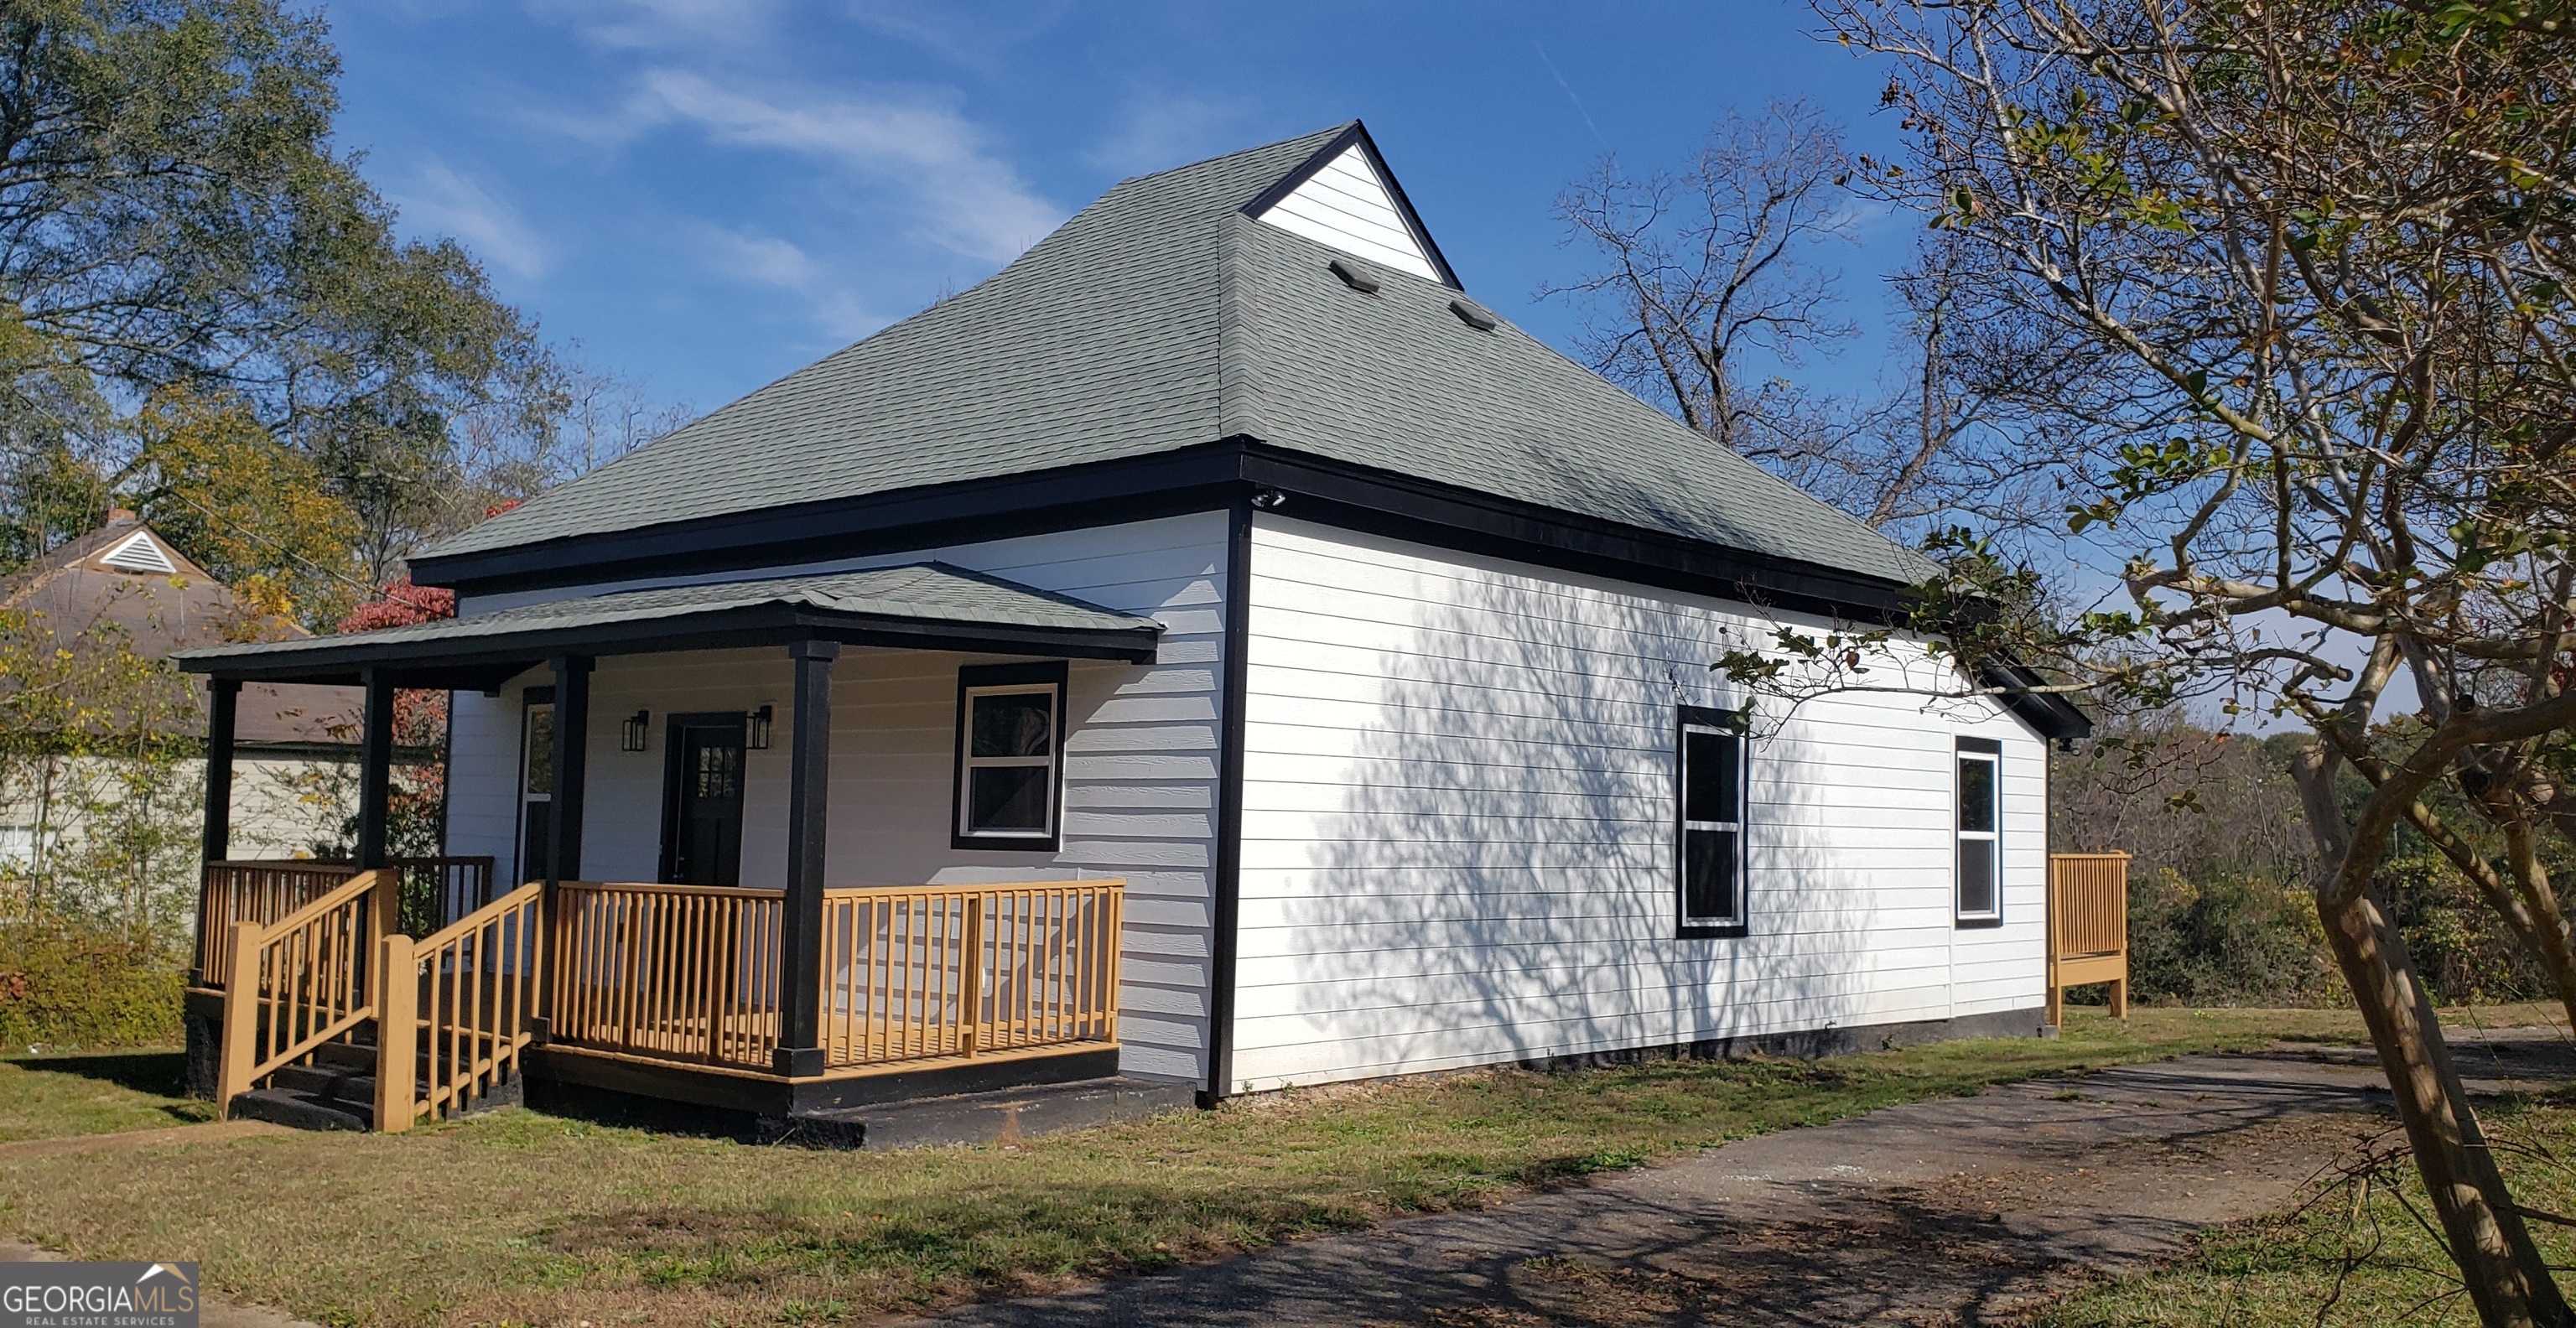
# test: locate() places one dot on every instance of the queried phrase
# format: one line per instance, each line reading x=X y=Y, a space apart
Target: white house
x=1223 y=564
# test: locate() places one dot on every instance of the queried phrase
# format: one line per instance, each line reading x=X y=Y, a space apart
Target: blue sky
x=707 y=194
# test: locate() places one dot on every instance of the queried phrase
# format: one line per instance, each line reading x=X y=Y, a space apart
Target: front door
x=702 y=801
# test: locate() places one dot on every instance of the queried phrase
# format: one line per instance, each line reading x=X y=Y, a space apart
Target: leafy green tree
x=177 y=214
x=2281 y=288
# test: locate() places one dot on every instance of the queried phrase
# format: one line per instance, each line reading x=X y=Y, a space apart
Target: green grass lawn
x=95 y=1092
x=524 y=1217
x=2352 y=1256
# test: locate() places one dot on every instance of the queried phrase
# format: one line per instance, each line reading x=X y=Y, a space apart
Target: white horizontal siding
x=1140 y=758
x=1347 y=206
x=1458 y=843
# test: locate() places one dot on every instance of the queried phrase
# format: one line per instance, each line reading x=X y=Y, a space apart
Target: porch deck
x=665 y=990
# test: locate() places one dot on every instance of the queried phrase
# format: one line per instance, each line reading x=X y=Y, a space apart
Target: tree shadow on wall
x=1493 y=875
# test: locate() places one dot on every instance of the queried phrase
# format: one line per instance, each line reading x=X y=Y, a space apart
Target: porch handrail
x=253 y=890
x=301 y=981
x=672 y=972
x=911 y=972
x=459 y=1008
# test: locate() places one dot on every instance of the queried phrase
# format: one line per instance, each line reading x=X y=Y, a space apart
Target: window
x=536 y=780
x=1709 y=785
x=1010 y=755
x=1981 y=897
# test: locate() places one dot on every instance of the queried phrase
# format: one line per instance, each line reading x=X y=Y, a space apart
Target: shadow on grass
x=161 y=1073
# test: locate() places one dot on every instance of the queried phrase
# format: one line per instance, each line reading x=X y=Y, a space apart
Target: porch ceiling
x=927 y=606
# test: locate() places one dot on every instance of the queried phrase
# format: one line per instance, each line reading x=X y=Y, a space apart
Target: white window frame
x=1009 y=680
x=1992 y=757
x=1724 y=724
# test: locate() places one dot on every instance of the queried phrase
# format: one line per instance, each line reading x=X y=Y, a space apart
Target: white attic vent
x=139 y=554
x=1347 y=206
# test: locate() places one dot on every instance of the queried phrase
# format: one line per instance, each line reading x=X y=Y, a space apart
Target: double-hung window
x=1980 y=795
x=1010 y=756
x=1709 y=786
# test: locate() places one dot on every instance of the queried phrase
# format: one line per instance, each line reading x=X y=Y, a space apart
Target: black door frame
x=672 y=775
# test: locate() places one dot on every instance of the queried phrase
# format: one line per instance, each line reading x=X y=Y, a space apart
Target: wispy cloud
x=661 y=24
x=1157 y=131
x=772 y=261
x=962 y=198
x=437 y=200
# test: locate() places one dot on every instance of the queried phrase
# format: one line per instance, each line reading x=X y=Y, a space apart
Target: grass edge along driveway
x=518 y=1217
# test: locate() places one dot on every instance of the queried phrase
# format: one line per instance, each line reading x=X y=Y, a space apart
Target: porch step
x=1004 y=1116
x=303 y=1111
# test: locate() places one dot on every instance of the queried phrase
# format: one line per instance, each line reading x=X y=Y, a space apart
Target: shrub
x=2236 y=940
x=65 y=985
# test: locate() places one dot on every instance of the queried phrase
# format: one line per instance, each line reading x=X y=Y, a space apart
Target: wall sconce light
x=758 y=738
x=631 y=734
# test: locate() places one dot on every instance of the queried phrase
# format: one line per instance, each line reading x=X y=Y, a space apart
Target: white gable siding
x=1140 y=761
x=1458 y=836
x=1347 y=206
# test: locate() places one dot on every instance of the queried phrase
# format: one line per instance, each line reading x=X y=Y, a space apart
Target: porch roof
x=928 y=606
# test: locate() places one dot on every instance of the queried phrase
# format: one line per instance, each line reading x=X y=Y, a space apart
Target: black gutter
x=1205 y=477
x=333 y=659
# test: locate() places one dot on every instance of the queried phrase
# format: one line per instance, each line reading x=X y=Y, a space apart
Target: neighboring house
x=122 y=587
x=1224 y=565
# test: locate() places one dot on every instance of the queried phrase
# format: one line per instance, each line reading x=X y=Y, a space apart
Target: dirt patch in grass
x=530 y=1218
x=53 y=1096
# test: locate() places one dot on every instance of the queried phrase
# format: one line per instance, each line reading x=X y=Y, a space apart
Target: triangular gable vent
x=139 y=553
x=1346 y=205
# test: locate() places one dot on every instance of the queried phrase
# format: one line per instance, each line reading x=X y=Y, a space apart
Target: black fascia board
x=1204 y=477
x=1201 y=478
x=1337 y=493
x=2052 y=715
x=422 y=660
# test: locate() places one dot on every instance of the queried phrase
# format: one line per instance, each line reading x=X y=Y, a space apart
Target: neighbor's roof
x=123 y=583
x=915 y=602
x=1164 y=316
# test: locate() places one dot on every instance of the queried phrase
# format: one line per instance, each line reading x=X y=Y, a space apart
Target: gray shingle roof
x=918 y=592
x=1161 y=317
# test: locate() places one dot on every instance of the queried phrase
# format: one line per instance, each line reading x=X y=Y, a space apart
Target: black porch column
x=223 y=702
x=375 y=770
x=572 y=768
x=800 y=925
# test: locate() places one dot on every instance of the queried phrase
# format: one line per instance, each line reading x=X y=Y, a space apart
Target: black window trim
x=1986 y=748
x=1732 y=722
x=973 y=676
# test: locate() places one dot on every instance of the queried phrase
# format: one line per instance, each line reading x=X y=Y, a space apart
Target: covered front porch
x=775 y=978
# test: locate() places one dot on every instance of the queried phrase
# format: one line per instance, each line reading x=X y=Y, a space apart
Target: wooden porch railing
x=260 y=892
x=959 y=970
x=467 y=994
x=297 y=983
x=675 y=972
x=691 y=973
x=438 y=892
x=2088 y=927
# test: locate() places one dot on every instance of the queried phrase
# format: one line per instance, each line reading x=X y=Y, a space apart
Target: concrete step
x=1000 y=1117
x=358 y=1056
x=303 y=1111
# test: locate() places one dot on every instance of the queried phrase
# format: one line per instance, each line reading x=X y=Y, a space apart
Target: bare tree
x=1708 y=276
x=2285 y=286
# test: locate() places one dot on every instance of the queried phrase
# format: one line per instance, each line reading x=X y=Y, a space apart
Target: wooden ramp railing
x=467 y=996
x=299 y=982
x=2088 y=927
